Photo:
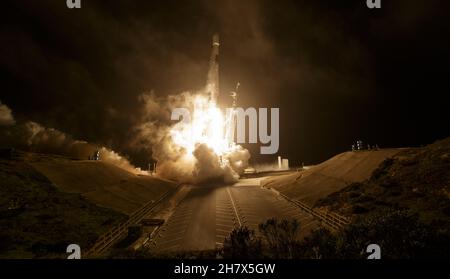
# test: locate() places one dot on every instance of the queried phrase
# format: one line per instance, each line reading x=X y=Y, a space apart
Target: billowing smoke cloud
x=6 y=117
x=208 y=167
x=31 y=136
x=153 y=135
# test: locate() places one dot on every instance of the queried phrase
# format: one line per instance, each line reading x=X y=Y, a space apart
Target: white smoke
x=6 y=117
x=152 y=134
x=33 y=137
x=48 y=140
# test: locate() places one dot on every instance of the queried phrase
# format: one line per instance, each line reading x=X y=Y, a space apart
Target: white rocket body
x=213 y=73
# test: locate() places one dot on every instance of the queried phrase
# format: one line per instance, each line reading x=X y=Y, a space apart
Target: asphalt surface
x=207 y=215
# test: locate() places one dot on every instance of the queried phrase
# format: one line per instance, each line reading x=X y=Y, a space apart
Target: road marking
x=224 y=222
x=224 y=219
x=161 y=243
x=172 y=233
x=178 y=222
x=221 y=230
x=226 y=226
x=227 y=209
x=229 y=216
x=234 y=207
x=248 y=214
x=225 y=216
x=177 y=216
x=168 y=248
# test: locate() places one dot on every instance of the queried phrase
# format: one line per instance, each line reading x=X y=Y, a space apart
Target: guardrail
x=333 y=220
x=107 y=239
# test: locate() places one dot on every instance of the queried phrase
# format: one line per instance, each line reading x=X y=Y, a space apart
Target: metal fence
x=107 y=239
x=331 y=219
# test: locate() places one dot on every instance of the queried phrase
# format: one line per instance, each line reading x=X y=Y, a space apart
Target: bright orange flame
x=208 y=126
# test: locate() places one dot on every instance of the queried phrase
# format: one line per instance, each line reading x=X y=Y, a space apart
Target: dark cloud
x=337 y=70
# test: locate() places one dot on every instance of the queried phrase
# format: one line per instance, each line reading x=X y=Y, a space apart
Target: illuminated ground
x=200 y=217
x=208 y=214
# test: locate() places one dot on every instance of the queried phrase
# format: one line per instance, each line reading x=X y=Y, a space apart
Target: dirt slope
x=330 y=176
x=417 y=179
x=101 y=183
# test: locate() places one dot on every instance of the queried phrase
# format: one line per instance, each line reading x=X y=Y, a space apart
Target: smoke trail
x=33 y=137
x=6 y=117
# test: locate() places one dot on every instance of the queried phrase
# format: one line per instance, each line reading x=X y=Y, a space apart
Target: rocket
x=213 y=73
x=213 y=89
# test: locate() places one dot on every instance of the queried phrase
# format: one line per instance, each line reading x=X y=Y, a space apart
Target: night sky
x=337 y=70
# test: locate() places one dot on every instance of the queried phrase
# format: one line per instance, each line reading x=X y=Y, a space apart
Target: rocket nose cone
x=215 y=39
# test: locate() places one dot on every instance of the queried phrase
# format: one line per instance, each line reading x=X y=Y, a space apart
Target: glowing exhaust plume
x=204 y=140
x=207 y=126
x=195 y=150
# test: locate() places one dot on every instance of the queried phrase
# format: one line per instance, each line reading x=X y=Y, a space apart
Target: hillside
x=48 y=202
x=402 y=204
x=101 y=183
x=330 y=176
x=416 y=179
x=38 y=220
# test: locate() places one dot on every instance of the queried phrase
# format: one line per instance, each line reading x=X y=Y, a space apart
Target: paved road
x=207 y=215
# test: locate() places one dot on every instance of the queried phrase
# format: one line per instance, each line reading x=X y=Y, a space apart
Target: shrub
x=398 y=232
x=281 y=237
x=319 y=244
x=242 y=244
x=383 y=169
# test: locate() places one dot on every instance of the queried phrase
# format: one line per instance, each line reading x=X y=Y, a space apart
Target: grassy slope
x=101 y=183
x=38 y=220
x=417 y=179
